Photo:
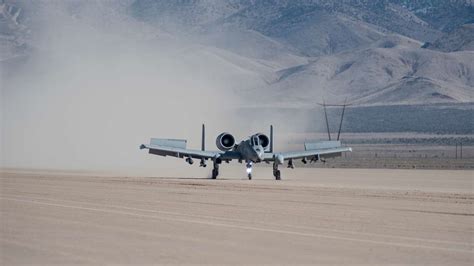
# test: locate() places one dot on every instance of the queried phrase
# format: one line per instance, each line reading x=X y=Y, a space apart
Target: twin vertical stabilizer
x=203 y=138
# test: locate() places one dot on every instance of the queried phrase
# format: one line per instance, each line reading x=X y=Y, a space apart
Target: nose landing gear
x=249 y=170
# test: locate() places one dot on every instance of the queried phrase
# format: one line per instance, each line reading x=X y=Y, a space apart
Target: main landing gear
x=276 y=172
x=249 y=164
x=215 y=170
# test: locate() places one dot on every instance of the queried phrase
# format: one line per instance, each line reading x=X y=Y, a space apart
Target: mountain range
x=296 y=52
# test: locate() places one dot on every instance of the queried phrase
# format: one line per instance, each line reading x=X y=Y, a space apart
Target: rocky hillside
x=383 y=76
x=366 y=51
x=295 y=52
x=13 y=33
x=291 y=20
x=460 y=39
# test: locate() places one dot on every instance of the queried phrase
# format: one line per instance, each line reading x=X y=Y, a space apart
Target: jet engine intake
x=264 y=140
x=225 y=141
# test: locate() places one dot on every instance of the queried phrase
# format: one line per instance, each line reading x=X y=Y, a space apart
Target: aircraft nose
x=259 y=150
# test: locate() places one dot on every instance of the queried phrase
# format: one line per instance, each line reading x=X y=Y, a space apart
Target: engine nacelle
x=225 y=141
x=264 y=140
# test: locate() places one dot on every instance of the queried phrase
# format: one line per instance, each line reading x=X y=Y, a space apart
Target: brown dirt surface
x=324 y=216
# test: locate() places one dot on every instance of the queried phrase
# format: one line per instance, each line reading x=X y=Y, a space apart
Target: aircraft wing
x=177 y=148
x=312 y=150
x=317 y=152
x=178 y=152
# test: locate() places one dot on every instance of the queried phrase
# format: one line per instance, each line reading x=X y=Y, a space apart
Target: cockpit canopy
x=255 y=140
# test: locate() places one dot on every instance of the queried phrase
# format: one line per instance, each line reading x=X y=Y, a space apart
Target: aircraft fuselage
x=250 y=151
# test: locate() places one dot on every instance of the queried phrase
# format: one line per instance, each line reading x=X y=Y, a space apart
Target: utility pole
x=324 y=105
x=456 y=151
x=461 y=151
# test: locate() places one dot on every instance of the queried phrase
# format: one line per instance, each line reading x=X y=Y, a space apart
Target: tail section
x=271 y=138
x=321 y=145
x=203 y=138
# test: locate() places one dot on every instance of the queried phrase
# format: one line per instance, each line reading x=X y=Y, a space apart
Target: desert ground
x=401 y=150
x=326 y=216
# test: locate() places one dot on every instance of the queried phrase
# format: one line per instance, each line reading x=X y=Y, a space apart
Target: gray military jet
x=256 y=149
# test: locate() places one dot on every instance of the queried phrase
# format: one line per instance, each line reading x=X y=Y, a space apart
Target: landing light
x=249 y=170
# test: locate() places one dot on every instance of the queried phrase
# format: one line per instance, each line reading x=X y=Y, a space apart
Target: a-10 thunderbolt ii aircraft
x=255 y=149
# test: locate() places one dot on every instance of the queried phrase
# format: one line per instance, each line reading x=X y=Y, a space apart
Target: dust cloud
x=99 y=83
x=98 y=86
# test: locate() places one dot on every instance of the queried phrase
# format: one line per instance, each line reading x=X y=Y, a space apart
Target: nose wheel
x=249 y=170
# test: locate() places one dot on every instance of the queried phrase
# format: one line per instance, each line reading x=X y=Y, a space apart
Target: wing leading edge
x=322 y=148
x=309 y=153
x=177 y=148
x=178 y=152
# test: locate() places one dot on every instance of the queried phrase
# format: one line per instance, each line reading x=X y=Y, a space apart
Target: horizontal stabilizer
x=321 y=145
x=173 y=143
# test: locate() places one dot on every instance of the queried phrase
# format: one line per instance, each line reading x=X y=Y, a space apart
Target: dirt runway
x=321 y=216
